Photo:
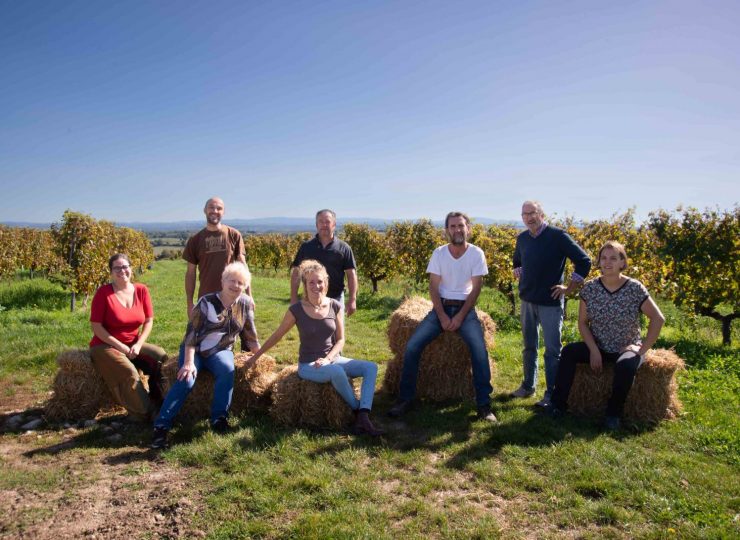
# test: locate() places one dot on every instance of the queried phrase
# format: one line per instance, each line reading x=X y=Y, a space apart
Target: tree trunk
x=375 y=284
x=727 y=329
x=72 y=301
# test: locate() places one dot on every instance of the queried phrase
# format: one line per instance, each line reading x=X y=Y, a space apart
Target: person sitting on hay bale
x=122 y=317
x=320 y=322
x=609 y=322
x=215 y=322
x=456 y=273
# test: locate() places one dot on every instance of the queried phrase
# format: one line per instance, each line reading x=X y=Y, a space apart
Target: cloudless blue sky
x=139 y=111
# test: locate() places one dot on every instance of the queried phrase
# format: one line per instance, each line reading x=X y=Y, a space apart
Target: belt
x=446 y=302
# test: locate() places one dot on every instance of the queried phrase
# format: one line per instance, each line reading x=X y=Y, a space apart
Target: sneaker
x=159 y=439
x=612 y=423
x=485 y=413
x=221 y=425
x=522 y=392
x=400 y=408
x=544 y=403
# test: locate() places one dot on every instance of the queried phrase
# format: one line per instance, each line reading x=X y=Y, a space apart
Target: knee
x=371 y=370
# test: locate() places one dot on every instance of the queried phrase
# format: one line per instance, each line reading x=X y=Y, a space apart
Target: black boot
x=363 y=425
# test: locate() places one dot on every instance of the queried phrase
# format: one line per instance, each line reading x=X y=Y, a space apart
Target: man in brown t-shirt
x=210 y=250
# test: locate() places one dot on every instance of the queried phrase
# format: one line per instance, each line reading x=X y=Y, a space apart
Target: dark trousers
x=578 y=353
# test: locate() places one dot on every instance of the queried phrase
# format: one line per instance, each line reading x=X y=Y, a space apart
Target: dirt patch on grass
x=58 y=491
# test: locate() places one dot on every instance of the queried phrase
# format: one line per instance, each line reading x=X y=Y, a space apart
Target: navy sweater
x=542 y=260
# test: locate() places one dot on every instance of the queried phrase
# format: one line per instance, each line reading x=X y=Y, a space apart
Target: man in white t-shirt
x=456 y=273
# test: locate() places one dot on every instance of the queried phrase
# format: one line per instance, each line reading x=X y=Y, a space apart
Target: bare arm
x=653 y=313
x=434 y=281
x=188 y=366
x=190 y=286
x=351 y=303
x=102 y=334
x=588 y=337
x=285 y=325
x=338 y=343
x=295 y=281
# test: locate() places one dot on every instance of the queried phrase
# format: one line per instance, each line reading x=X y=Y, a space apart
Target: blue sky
x=139 y=111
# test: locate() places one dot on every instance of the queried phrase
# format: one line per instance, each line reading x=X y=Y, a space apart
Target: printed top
x=614 y=317
x=214 y=327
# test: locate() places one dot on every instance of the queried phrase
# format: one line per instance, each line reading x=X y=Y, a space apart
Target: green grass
x=441 y=473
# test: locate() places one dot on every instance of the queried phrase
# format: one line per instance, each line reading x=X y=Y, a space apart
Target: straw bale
x=444 y=370
x=652 y=398
x=252 y=387
x=253 y=384
x=79 y=390
x=297 y=402
x=413 y=310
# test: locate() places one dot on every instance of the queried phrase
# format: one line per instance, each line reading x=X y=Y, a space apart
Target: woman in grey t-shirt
x=609 y=323
x=320 y=322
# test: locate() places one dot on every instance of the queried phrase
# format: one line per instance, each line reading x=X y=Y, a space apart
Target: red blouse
x=121 y=322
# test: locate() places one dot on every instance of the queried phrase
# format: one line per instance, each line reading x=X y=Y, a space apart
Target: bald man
x=209 y=251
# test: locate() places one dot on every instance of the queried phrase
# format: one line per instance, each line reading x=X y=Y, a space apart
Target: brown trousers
x=121 y=375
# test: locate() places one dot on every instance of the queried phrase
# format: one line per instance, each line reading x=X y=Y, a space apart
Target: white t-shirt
x=457 y=274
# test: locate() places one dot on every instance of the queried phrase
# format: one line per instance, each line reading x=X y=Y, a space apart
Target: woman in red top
x=121 y=318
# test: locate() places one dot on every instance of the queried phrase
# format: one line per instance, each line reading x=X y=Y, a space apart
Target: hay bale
x=413 y=310
x=652 y=398
x=79 y=390
x=253 y=384
x=252 y=387
x=444 y=370
x=296 y=402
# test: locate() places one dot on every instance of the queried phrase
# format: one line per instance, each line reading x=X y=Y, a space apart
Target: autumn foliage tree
x=413 y=243
x=375 y=258
x=702 y=253
x=85 y=245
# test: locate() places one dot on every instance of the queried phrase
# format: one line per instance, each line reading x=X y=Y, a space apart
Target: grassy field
x=439 y=473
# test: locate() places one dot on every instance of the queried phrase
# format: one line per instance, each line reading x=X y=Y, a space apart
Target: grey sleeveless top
x=317 y=335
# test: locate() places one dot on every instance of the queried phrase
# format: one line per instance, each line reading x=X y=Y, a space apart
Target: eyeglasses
x=121 y=268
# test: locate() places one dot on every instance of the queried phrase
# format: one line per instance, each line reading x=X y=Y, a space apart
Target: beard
x=458 y=239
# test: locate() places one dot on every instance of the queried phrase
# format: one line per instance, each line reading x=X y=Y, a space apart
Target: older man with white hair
x=539 y=264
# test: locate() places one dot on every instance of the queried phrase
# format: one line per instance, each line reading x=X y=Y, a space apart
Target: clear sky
x=139 y=111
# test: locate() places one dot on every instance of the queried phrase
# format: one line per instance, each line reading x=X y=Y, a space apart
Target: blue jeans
x=221 y=365
x=551 y=319
x=338 y=371
x=472 y=334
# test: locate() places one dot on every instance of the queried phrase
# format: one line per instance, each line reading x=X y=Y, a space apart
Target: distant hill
x=257 y=225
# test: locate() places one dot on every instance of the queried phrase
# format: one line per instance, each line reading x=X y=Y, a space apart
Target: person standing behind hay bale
x=320 y=322
x=121 y=317
x=539 y=265
x=209 y=251
x=609 y=322
x=456 y=273
x=208 y=344
x=336 y=257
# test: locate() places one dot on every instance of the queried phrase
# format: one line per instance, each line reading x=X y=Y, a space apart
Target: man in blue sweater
x=539 y=264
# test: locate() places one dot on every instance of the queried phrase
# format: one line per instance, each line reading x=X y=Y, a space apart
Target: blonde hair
x=311 y=266
x=616 y=246
x=239 y=269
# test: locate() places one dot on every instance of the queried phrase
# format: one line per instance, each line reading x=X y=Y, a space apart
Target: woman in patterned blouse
x=209 y=341
x=609 y=323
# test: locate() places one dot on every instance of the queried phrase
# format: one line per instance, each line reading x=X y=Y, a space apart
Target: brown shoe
x=363 y=425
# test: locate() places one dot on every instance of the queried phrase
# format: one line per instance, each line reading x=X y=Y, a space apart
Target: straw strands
x=444 y=370
x=297 y=402
x=652 y=398
x=79 y=390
